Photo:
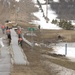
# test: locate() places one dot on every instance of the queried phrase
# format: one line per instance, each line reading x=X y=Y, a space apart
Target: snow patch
x=17 y=0
x=56 y=0
x=42 y=21
x=1 y=42
x=60 y=49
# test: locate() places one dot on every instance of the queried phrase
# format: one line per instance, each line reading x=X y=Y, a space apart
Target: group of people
x=7 y=30
x=8 y=33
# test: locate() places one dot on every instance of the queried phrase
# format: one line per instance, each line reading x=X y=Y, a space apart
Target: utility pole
x=65 y=49
x=46 y=11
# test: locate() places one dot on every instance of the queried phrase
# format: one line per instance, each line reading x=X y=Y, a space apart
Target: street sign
x=31 y=29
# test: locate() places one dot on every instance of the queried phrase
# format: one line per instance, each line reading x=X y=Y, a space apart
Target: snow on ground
x=35 y=1
x=1 y=42
x=56 y=0
x=17 y=0
x=73 y=22
x=25 y=40
x=60 y=49
x=42 y=22
x=41 y=1
x=51 y=14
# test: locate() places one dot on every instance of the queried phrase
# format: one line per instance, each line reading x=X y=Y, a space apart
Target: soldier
x=8 y=32
x=20 y=40
x=19 y=32
x=3 y=28
x=9 y=38
x=39 y=26
x=8 y=35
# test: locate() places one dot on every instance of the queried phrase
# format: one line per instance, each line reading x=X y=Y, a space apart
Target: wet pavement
x=5 y=61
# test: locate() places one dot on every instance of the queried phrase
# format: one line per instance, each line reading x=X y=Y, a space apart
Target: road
x=5 y=58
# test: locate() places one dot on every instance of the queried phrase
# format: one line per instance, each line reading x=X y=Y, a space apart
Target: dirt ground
x=34 y=55
x=35 y=66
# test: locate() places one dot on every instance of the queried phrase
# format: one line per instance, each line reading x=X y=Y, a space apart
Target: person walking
x=3 y=29
x=39 y=27
x=8 y=32
x=9 y=38
x=20 y=41
x=6 y=27
x=19 y=33
x=8 y=35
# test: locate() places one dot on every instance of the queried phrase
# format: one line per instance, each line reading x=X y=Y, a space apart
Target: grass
x=62 y=62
